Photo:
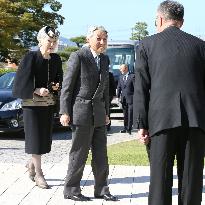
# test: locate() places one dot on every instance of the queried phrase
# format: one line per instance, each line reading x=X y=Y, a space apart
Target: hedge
x=6 y=70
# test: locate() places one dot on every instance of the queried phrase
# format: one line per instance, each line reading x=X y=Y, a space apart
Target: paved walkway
x=129 y=183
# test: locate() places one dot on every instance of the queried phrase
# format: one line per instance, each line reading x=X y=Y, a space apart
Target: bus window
x=118 y=56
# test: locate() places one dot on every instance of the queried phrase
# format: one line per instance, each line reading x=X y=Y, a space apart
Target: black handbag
x=38 y=100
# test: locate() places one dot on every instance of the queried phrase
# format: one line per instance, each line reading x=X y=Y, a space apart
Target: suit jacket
x=126 y=89
x=85 y=91
x=24 y=85
x=112 y=87
x=170 y=81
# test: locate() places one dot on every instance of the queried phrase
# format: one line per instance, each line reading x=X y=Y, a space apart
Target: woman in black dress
x=39 y=72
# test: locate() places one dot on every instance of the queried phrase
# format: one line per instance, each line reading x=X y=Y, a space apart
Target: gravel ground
x=12 y=148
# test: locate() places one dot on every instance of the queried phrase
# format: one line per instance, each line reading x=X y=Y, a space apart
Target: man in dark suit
x=125 y=91
x=169 y=107
x=112 y=93
x=84 y=103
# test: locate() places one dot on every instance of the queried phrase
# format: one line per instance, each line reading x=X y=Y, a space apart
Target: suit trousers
x=85 y=138
x=188 y=145
x=128 y=115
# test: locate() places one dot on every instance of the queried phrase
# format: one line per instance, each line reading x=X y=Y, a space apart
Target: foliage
x=21 y=20
x=126 y=153
x=65 y=54
x=139 y=31
x=4 y=70
x=79 y=40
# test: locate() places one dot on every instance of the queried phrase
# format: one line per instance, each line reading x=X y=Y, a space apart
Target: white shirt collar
x=94 y=53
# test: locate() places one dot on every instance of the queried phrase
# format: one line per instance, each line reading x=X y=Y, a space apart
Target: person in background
x=125 y=91
x=84 y=103
x=12 y=63
x=169 y=99
x=112 y=93
x=37 y=70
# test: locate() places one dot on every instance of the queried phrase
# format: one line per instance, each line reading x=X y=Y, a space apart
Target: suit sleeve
x=141 y=90
x=112 y=85
x=24 y=81
x=69 y=82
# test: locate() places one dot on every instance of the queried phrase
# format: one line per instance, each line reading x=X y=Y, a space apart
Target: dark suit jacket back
x=126 y=90
x=170 y=81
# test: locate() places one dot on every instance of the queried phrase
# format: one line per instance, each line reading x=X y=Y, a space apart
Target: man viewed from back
x=169 y=107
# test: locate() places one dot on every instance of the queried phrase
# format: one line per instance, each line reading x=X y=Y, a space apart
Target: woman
x=39 y=72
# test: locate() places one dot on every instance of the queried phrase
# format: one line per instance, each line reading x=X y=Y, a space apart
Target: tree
x=21 y=20
x=139 y=31
x=79 y=40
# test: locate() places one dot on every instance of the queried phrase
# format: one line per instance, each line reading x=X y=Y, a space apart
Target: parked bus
x=121 y=52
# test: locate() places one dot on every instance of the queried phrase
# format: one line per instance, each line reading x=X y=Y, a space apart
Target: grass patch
x=126 y=153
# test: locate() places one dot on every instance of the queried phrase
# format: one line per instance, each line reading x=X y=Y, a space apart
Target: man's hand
x=65 y=119
x=143 y=136
x=107 y=120
x=55 y=86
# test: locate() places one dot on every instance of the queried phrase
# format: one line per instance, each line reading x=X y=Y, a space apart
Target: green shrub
x=6 y=70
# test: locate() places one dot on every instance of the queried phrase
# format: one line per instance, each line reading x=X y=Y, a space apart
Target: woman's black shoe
x=123 y=131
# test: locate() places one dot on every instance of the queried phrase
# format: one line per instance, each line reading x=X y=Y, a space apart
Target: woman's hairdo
x=48 y=31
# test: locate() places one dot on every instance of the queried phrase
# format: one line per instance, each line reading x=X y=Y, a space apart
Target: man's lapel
x=90 y=58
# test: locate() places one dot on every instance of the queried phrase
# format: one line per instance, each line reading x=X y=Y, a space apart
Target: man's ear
x=161 y=21
x=181 y=23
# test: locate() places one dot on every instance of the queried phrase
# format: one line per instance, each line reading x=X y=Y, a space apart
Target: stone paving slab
x=129 y=183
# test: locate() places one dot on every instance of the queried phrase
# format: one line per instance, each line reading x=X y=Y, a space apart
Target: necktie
x=124 y=78
x=97 y=60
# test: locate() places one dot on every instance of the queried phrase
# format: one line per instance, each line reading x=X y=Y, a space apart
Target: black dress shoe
x=123 y=131
x=129 y=132
x=79 y=197
x=107 y=197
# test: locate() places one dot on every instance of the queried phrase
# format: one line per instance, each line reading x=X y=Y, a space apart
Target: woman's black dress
x=38 y=121
x=33 y=73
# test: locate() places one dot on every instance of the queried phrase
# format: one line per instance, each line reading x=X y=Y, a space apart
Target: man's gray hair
x=171 y=10
x=91 y=30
